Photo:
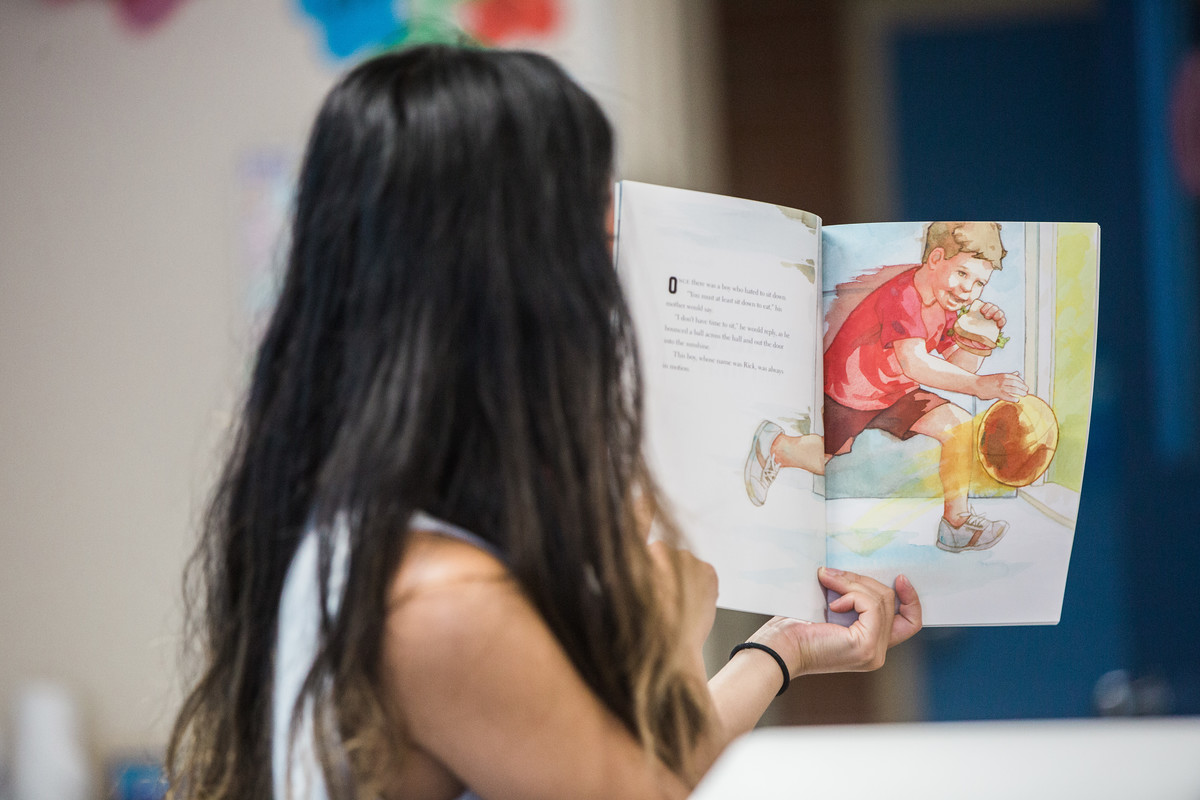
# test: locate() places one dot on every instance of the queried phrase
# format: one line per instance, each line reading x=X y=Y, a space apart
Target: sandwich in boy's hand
x=975 y=333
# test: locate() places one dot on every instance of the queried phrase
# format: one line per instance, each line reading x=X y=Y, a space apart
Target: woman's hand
x=745 y=686
x=810 y=648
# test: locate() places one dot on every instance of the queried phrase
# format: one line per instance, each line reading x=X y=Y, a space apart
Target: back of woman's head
x=450 y=337
x=449 y=266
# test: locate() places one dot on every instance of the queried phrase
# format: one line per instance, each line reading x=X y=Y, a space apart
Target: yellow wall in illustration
x=1074 y=353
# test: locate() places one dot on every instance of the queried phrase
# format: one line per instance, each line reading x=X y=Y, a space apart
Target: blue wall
x=1060 y=119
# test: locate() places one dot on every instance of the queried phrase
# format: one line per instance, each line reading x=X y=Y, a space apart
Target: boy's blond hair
x=981 y=239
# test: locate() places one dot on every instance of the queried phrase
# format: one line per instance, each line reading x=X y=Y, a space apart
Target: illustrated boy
x=896 y=341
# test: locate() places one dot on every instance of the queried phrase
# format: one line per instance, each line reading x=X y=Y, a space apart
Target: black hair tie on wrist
x=778 y=660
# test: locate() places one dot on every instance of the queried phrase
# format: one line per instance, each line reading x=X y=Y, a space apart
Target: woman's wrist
x=770 y=651
x=773 y=634
x=743 y=689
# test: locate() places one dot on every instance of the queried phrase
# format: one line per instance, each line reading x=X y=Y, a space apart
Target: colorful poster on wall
x=359 y=27
x=139 y=15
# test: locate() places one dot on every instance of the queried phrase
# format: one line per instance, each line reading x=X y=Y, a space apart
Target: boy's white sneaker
x=976 y=532
x=761 y=466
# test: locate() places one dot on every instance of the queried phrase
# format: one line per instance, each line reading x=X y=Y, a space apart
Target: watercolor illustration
x=883 y=398
x=926 y=327
x=960 y=382
x=1013 y=454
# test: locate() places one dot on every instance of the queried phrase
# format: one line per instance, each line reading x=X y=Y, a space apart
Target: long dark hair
x=450 y=337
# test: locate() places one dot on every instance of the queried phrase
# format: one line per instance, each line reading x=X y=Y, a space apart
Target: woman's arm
x=744 y=688
x=481 y=684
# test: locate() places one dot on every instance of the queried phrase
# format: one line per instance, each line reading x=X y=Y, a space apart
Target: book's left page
x=726 y=297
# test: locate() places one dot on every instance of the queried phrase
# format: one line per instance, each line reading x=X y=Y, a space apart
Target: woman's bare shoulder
x=481 y=684
x=446 y=603
x=437 y=602
x=434 y=563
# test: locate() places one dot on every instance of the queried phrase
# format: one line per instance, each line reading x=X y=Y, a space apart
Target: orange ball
x=1016 y=441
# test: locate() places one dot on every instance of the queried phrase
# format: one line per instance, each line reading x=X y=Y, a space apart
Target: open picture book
x=881 y=398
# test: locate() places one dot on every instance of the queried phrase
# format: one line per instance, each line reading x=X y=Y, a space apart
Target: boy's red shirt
x=861 y=368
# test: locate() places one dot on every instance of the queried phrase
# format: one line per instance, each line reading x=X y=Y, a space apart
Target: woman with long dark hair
x=424 y=568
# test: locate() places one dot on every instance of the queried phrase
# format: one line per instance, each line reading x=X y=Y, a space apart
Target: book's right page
x=958 y=382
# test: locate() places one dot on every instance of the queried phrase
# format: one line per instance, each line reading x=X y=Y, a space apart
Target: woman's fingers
x=885 y=617
x=867 y=595
x=844 y=582
x=908 y=616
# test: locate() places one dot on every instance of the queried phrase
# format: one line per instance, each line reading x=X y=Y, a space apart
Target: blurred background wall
x=141 y=171
x=122 y=325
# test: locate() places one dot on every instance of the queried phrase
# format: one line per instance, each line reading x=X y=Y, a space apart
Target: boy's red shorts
x=843 y=423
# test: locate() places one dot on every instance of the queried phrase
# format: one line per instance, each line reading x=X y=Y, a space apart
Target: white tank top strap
x=425 y=522
x=294 y=761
